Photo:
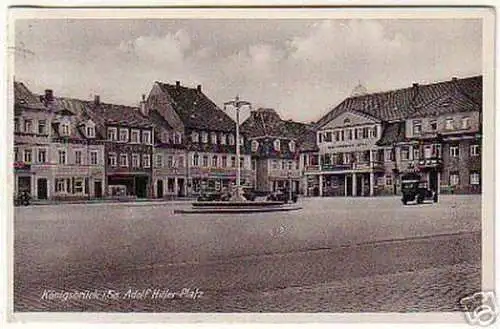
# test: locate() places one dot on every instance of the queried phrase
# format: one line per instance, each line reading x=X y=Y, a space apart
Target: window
x=474 y=150
x=320 y=137
x=436 y=150
x=112 y=159
x=233 y=162
x=78 y=157
x=454 y=151
x=290 y=164
x=475 y=178
x=16 y=125
x=181 y=162
x=277 y=145
x=60 y=184
x=454 y=179
x=123 y=135
x=170 y=161
x=405 y=153
x=388 y=180
x=111 y=133
x=42 y=124
x=416 y=153
x=389 y=155
x=374 y=132
x=255 y=146
x=146 y=137
x=433 y=125
x=417 y=127
x=214 y=161
x=428 y=151
x=366 y=133
x=283 y=164
x=449 y=124
x=90 y=132
x=465 y=123
x=134 y=136
x=254 y=164
x=195 y=138
x=146 y=160
x=213 y=138
x=61 y=157
x=242 y=162
x=349 y=134
x=42 y=155
x=28 y=126
x=291 y=145
x=159 y=161
x=204 y=137
x=231 y=139
x=341 y=135
x=135 y=161
x=204 y=160
x=123 y=160
x=223 y=139
x=27 y=156
x=196 y=160
x=242 y=141
x=16 y=154
x=356 y=133
x=78 y=186
x=93 y=158
x=177 y=138
x=347 y=121
x=65 y=129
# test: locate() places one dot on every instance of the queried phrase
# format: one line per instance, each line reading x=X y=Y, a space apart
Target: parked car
x=22 y=198
x=282 y=195
x=415 y=189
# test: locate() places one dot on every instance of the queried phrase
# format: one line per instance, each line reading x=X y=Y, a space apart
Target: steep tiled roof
x=418 y=100
x=196 y=110
x=393 y=133
x=266 y=122
x=308 y=141
x=120 y=115
x=23 y=97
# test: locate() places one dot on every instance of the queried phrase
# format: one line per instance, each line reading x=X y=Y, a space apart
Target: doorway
x=24 y=184
x=98 y=189
x=348 y=181
x=180 y=187
x=359 y=185
x=433 y=180
x=159 y=188
x=42 y=188
x=141 y=187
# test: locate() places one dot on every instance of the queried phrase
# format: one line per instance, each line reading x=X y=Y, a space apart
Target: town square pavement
x=333 y=255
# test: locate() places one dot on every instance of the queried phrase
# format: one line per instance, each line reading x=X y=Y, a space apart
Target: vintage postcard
x=251 y=164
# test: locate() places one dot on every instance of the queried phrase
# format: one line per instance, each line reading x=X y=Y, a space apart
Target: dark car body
x=22 y=198
x=415 y=189
x=282 y=195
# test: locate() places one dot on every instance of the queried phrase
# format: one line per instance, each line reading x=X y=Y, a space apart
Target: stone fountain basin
x=236 y=204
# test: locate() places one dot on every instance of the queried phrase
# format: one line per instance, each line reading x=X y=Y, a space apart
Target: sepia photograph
x=232 y=161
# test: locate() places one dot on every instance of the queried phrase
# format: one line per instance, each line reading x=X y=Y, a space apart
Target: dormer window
x=231 y=139
x=465 y=123
x=242 y=141
x=277 y=145
x=195 y=138
x=255 y=146
x=177 y=138
x=291 y=145
x=90 y=132
x=123 y=135
x=112 y=132
x=204 y=137
x=213 y=138
x=347 y=121
x=449 y=123
x=146 y=137
x=134 y=136
x=64 y=129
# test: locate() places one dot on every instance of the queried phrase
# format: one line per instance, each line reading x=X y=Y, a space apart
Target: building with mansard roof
x=368 y=140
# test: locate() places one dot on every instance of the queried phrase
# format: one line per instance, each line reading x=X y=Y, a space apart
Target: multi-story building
x=275 y=146
x=128 y=148
x=206 y=132
x=369 y=140
x=32 y=136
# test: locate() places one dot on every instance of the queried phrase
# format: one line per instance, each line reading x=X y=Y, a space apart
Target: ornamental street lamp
x=237 y=104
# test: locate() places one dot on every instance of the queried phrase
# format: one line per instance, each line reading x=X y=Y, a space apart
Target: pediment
x=348 y=119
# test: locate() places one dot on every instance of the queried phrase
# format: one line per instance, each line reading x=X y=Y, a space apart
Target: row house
x=207 y=135
x=128 y=148
x=57 y=154
x=368 y=141
x=275 y=148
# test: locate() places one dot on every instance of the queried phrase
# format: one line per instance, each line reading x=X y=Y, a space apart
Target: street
x=334 y=255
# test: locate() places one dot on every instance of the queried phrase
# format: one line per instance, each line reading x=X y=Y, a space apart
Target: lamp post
x=237 y=104
x=289 y=186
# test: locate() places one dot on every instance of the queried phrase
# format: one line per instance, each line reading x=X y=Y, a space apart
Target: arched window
x=195 y=138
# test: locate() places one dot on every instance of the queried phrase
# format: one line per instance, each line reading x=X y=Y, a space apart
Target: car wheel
x=404 y=201
x=419 y=199
x=26 y=202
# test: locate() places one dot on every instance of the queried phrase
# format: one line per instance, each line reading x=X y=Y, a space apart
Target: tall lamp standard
x=237 y=104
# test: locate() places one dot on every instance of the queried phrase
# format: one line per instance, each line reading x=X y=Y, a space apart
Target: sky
x=301 y=68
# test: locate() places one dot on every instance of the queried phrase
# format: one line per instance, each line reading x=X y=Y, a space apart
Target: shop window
x=475 y=178
x=454 y=179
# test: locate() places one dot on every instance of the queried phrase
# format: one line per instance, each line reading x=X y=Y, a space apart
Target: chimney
x=177 y=84
x=454 y=79
x=415 y=85
x=49 y=95
x=198 y=88
x=97 y=99
x=143 y=107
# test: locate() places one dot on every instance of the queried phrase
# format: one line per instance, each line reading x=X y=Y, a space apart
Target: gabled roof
x=120 y=115
x=196 y=110
x=266 y=122
x=418 y=100
x=24 y=98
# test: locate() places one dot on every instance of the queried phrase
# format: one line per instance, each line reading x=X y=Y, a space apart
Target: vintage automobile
x=282 y=195
x=413 y=188
x=22 y=198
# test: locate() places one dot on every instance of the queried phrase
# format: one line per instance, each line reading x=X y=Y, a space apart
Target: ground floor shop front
x=348 y=184
x=128 y=185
